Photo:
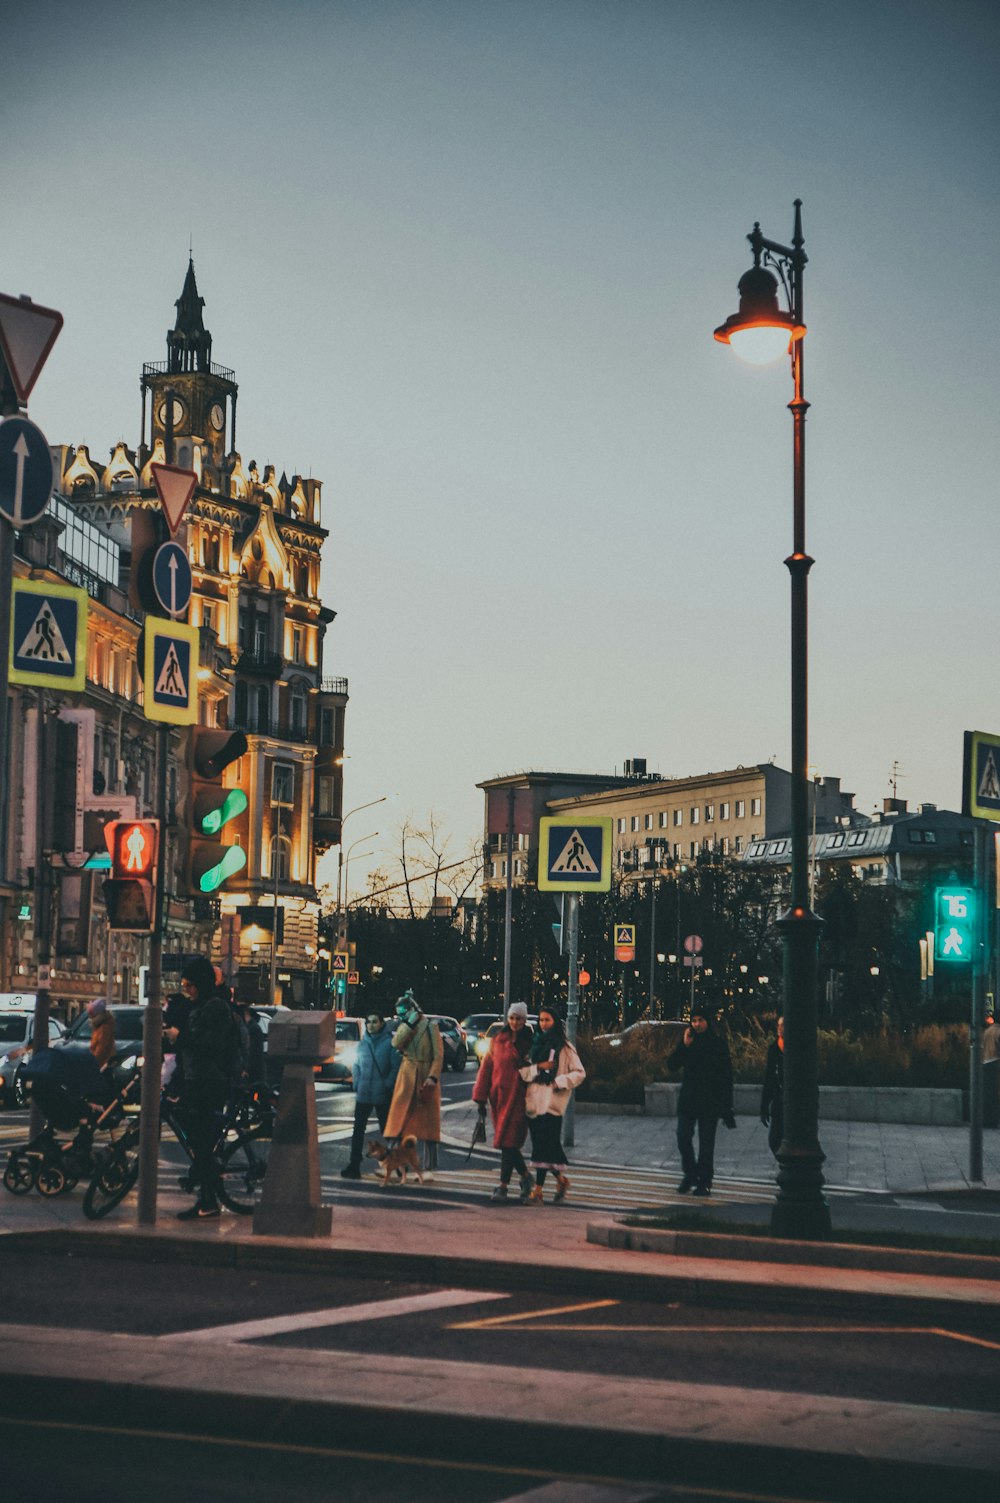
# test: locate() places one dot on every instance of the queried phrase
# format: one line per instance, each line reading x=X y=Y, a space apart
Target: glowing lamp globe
x=760 y=332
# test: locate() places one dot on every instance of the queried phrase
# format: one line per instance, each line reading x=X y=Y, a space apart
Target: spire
x=189 y=344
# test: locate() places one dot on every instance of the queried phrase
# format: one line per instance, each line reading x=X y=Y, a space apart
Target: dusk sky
x=466 y=259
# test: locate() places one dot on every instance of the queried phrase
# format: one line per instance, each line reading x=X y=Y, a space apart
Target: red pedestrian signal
x=130 y=891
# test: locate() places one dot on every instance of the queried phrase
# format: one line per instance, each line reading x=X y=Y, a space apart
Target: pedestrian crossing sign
x=340 y=963
x=574 y=855
x=48 y=635
x=624 y=934
x=170 y=671
x=981 y=776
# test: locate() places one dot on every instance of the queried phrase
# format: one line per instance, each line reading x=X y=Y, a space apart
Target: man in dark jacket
x=206 y=1053
x=706 y=1095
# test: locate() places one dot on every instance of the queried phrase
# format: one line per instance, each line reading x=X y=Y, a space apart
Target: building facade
x=255 y=541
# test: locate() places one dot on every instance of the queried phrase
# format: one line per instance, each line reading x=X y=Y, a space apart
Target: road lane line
x=506 y=1320
x=339 y=1315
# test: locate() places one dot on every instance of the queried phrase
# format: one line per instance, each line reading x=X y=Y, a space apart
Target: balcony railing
x=261 y=664
x=333 y=686
x=280 y=730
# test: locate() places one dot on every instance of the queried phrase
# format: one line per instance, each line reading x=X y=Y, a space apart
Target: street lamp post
x=340 y=849
x=762 y=332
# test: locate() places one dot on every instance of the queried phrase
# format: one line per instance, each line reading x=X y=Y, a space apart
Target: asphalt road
x=916 y=1363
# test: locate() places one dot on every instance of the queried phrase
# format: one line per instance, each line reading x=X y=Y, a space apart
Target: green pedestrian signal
x=215 y=811
x=954 y=924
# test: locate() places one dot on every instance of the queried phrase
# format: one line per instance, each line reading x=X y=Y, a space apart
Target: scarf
x=543 y=1044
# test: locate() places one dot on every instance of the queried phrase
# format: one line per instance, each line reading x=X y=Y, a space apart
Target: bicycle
x=241 y=1154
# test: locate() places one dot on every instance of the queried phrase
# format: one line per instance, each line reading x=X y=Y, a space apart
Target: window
x=723 y=811
x=678 y=817
x=647 y=821
x=283 y=784
x=296 y=644
x=756 y=850
x=695 y=815
x=677 y=850
x=327 y=806
x=517 y=867
x=281 y=850
x=635 y=822
x=725 y=845
x=739 y=845
x=298 y=704
x=858 y=838
x=326 y=727
x=923 y=837
x=259 y=634
x=694 y=849
x=836 y=841
x=503 y=868
x=754 y=806
x=208 y=616
x=621 y=827
x=778 y=847
x=741 y=809
x=663 y=819
x=709 y=813
x=493 y=870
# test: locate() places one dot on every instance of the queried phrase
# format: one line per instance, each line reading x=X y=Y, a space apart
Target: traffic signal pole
x=979 y=956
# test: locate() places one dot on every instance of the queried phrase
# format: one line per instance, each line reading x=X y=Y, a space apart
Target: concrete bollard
x=290 y=1200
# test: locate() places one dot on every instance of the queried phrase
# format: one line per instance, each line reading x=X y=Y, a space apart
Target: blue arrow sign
x=172 y=580
x=26 y=471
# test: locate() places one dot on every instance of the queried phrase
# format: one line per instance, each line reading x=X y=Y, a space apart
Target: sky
x=466 y=259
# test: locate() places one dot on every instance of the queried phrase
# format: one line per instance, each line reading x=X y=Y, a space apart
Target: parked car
x=475 y=1026
x=456 y=1050
x=669 y=1029
x=482 y=1045
x=129 y=1022
x=339 y=1067
x=15 y=1049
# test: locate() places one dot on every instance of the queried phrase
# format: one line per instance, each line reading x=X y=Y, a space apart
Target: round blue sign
x=172 y=580
x=26 y=471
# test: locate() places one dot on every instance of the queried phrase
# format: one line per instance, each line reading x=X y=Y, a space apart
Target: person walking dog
x=552 y=1074
x=416 y=1097
x=706 y=1096
x=376 y=1066
x=499 y=1083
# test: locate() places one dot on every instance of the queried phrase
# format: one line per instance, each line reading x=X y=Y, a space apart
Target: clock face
x=217 y=416
x=161 y=413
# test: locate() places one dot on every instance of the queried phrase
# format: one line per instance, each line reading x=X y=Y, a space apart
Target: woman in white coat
x=552 y=1074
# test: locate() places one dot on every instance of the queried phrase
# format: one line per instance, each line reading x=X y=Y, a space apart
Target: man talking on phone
x=706 y=1096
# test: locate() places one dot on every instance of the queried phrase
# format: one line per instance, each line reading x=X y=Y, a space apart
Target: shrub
x=935 y=1055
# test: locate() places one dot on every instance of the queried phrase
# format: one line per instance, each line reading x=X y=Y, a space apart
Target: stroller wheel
x=19 y=1176
x=50 y=1180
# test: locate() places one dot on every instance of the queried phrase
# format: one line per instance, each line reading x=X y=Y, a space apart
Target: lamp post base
x=800 y=1211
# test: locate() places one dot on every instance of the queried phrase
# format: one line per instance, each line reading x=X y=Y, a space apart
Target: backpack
x=239 y=1045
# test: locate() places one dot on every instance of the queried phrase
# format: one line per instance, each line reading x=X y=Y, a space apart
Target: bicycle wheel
x=113 y=1178
x=242 y=1166
x=19 y=1176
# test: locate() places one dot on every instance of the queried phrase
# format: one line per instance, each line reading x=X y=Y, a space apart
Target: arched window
x=298 y=711
x=281 y=850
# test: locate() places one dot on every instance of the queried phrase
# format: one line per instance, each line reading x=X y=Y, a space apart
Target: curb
x=699 y=1281
x=852 y=1255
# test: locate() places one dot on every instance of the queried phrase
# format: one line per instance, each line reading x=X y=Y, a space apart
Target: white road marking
x=340 y=1315
x=585 y=1492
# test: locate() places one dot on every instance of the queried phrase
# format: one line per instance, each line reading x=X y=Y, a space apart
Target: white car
x=15 y=1049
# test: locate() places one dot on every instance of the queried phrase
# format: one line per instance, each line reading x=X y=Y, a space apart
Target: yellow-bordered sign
x=574 y=855
x=340 y=963
x=981 y=776
x=48 y=635
x=624 y=934
x=170 y=671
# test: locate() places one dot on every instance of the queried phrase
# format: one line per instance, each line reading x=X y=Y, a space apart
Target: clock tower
x=204 y=395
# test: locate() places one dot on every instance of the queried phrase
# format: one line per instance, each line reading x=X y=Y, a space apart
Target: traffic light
x=130 y=891
x=211 y=861
x=954 y=923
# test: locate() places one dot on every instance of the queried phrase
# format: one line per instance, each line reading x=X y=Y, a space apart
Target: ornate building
x=254 y=540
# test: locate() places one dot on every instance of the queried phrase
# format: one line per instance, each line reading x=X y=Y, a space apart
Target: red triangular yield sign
x=175 y=487
x=27 y=333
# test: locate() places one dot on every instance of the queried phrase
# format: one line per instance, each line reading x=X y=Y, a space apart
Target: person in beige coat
x=416 y=1097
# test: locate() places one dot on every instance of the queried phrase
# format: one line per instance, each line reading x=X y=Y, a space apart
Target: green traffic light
x=954 y=924
x=234 y=803
x=233 y=858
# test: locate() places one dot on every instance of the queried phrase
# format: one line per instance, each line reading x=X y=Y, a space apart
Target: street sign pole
x=976 y=1019
x=573 y=998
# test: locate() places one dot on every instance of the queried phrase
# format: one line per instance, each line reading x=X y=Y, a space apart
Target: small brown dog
x=401 y=1158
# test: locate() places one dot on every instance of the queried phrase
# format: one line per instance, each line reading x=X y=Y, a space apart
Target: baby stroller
x=74 y=1096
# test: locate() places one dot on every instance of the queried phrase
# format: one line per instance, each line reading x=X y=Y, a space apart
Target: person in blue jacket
x=376 y=1066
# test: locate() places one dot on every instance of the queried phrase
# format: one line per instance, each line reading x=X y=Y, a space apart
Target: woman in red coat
x=499 y=1082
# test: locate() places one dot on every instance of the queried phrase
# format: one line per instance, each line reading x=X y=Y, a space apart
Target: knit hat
x=97 y=1008
x=518 y=1010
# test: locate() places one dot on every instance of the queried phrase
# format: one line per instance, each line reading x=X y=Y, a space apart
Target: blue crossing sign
x=574 y=855
x=172 y=579
x=981 y=776
x=170 y=671
x=26 y=471
x=48 y=635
